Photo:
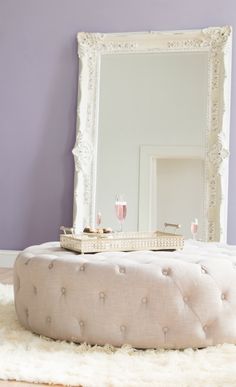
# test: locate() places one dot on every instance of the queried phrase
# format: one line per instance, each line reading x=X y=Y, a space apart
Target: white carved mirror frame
x=216 y=41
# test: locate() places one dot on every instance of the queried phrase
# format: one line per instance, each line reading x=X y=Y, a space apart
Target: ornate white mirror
x=153 y=124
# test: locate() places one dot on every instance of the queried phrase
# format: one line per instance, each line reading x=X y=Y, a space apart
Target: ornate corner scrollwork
x=213 y=37
x=217 y=36
x=88 y=42
x=98 y=42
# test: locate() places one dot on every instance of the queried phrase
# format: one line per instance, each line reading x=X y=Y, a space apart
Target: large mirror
x=153 y=125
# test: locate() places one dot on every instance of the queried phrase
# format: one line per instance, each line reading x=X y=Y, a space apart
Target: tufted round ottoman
x=146 y=299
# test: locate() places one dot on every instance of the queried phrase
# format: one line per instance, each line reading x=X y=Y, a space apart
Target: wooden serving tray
x=121 y=241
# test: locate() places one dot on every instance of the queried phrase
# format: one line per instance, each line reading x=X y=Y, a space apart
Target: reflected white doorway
x=172 y=188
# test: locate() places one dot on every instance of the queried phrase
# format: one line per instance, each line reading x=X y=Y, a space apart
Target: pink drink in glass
x=99 y=218
x=194 y=228
x=121 y=211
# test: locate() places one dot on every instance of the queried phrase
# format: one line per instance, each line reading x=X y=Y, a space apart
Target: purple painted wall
x=38 y=91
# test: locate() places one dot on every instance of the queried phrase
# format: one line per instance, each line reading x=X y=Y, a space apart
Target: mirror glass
x=157 y=100
x=153 y=126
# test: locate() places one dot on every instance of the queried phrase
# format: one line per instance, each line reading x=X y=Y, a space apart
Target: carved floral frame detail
x=216 y=41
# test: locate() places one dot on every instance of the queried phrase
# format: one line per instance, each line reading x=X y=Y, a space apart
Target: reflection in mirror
x=157 y=99
x=151 y=126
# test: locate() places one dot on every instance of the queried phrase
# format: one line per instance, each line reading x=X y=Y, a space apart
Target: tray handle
x=67 y=230
x=176 y=226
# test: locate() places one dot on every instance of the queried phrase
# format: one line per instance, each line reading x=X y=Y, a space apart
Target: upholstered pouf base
x=146 y=299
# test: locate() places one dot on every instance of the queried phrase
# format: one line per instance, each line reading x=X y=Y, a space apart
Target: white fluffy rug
x=28 y=357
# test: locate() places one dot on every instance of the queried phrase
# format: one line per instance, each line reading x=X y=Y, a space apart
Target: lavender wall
x=38 y=87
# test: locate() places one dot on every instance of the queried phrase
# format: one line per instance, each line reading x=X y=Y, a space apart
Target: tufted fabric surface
x=146 y=299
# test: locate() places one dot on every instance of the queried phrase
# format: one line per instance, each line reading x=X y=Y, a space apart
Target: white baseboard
x=7 y=257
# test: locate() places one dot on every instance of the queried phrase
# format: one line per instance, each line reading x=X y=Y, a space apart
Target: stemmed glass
x=99 y=218
x=121 y=210
x=194 y=228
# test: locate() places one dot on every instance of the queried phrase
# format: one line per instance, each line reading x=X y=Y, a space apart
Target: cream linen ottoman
x=146 y=299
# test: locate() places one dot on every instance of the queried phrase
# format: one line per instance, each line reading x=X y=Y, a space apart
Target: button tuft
x=82 y=268
x=165 y=272
x=63 y=290
x=74 y=338
x=185 y=299
x=48 y=319
x=122 y=270
x=223 y=296
x=102 y=295
x=165 y=329
x=122 y=328
x=81 y=323
x=144 y=300
x=205 y=328
x=50 y=266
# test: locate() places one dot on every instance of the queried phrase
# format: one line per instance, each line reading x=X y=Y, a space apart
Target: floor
x=6 y=277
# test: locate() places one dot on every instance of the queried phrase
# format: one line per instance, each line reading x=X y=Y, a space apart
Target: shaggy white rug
x=28 y=357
